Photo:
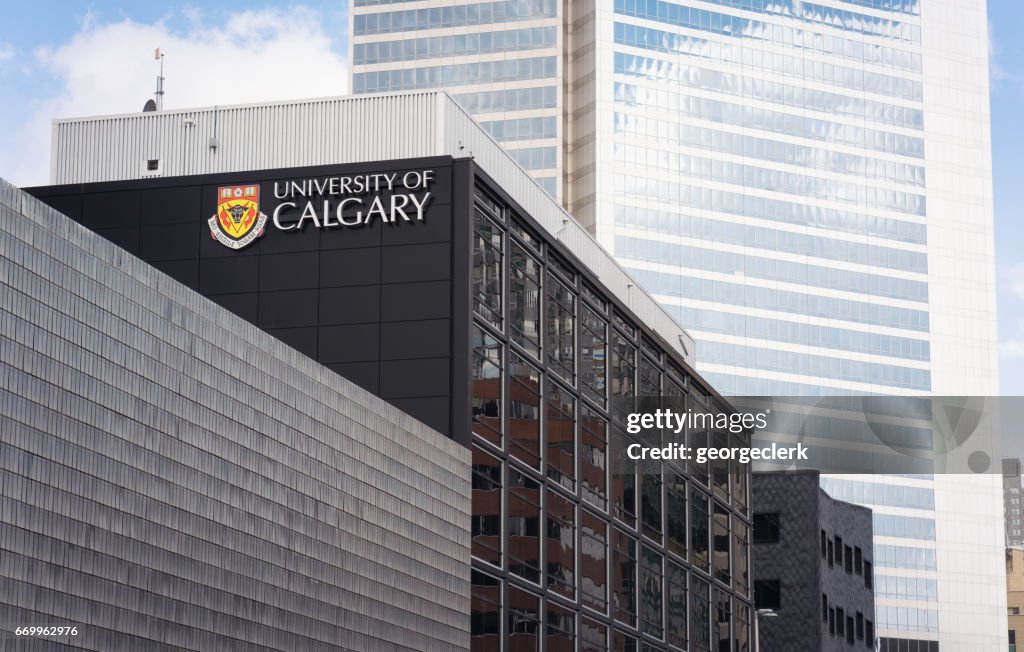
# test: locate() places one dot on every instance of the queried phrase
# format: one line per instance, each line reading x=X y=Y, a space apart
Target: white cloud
x=6 y=52
x=106 y=68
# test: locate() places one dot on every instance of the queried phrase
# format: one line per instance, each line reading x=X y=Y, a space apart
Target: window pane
x=485 y=618
x=594 y=562
x=524 y=411
x=623 y=372
x=486 y=507
x=700 y=615
x=741 y=556
x=593 y=354
x=624 y=578
x=523 y=526
x=561 y=330
x=650 y=504
x=560 y=631
x=560 y=436
x=593 y=457
x=675 y=514
x=742 y=630
x=623 y=480
x=487 y=360
x=524 y=302
x=676 y=598
x=721 y=545
x=523 y=620
x=561 y=545
x=593 y=636
x=699 y=529
x=651 y=596
x=487 y=267
x=723 y=609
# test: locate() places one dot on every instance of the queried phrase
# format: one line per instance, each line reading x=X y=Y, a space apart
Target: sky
x=56 y=61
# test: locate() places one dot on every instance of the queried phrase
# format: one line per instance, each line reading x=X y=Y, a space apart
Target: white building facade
x=805 y=186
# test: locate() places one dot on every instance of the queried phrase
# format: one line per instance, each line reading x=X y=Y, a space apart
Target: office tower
x=1013 y=511
x=806 y=186
x=495 y=319
x=813 y=566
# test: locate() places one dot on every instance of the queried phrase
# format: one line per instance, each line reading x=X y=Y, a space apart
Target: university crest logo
x=238 y=220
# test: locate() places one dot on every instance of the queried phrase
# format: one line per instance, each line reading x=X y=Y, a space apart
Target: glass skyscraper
x=805 y=185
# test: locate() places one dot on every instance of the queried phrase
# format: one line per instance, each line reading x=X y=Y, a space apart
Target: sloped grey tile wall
x=173 y=477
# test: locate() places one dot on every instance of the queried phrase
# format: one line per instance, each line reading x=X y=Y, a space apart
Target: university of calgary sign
x=238 y=220
x=323 y=203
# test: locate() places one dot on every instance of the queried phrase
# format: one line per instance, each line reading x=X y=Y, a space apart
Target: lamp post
x=758 y=615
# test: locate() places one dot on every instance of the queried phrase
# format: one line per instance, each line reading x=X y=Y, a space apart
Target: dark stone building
x=483 y=321
x=812 y=566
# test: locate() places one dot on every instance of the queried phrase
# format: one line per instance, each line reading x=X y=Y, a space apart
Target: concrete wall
x=173 y=477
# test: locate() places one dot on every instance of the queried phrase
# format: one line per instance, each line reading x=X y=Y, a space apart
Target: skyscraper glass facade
x=499 y=59
x=806 y=186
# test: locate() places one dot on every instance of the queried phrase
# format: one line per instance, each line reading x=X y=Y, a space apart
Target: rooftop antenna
x=159 y=56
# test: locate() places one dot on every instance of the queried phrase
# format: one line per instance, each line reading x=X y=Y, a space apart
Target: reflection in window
x=650 y=378
x=523 y=526
x=487 y=261
x=623 y=371
x=740 y=475
x=675 y=514
x=650 y=504
x=651 y=596
x=524 y=299
x=560 y=436
x=741 y=556
x=742 y=631
x=593 y=636
x=561 y=329
x=624 y=578
x=560 y=631
x=486 y=528
x=593 y=457
x=622 y=642
x=486 y=386
x=593 y=354
x=524 y=411
x=721 y=539
x=720 y=468
x=561 y=545
x=723 y=621
x=699 y=531
x=523 y=620
x=700 y=615
x=593 y=562
x=623 y=479
x=675 y=578
x=485 y=616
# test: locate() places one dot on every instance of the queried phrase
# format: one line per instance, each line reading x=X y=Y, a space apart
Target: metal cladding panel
x=176 y=478
x=326 y=131
x=250 y=137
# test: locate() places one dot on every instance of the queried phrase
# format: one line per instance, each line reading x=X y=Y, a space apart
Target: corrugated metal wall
x=325 y=131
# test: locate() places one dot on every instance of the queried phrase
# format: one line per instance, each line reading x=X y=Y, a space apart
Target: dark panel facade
x=372 y=302
x=812 y=566
x=174 y=478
